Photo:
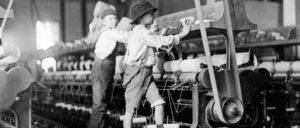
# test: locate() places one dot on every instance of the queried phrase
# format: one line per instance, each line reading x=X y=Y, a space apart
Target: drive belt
x=231 y=58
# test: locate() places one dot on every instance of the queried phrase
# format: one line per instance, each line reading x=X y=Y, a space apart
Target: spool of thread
x=75 y=65
x=295 y=76
x=70 y=66
x=192 y=77
x=283 y=66
x=119 y=68
x=81 y=65
x=242 y=58
x=192 y=65
x=268 y=58
x=65 y=66
x=59 y=66
x=270 y=66
x=280 y=76
x=296 y=66
x=88 y=64
x=172 y=66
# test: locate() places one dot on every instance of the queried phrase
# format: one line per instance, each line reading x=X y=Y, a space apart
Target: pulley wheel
x=232 y=110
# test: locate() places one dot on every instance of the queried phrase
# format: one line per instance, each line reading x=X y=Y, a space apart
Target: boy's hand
x=164 y=31
x=185 y=29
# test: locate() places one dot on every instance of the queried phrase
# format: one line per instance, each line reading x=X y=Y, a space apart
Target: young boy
x=104 y=66
x=96 y=24
x=140 y=58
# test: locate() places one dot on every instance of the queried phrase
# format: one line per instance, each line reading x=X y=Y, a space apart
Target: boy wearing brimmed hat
x=140 y=58
x=104 y=66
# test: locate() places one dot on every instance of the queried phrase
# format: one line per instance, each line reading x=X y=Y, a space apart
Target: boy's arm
x=159 y=41
x=117 y=35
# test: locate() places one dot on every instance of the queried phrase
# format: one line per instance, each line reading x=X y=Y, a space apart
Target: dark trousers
x=102 y=77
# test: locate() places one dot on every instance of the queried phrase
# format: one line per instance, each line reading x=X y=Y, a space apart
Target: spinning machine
x=219 y=90
x=221 y=95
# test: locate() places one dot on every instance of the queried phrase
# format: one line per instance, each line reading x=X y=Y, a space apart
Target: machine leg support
x=196 y=109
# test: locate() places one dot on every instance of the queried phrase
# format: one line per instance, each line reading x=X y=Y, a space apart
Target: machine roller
x=219 y=74
x=226 y=87
x=282 y=70
x=295 y=73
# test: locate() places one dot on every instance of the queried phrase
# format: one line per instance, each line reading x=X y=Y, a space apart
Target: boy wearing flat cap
x=96 y=24
x=104 y=66
x=140 y=58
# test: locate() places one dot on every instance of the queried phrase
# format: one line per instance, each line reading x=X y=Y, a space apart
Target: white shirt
x=107 y=41
x=141 y=43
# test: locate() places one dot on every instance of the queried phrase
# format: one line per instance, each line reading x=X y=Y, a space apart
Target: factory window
x=47 y=34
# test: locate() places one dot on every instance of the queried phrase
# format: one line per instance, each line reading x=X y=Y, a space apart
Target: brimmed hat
x=140 y=8
x=108 y=12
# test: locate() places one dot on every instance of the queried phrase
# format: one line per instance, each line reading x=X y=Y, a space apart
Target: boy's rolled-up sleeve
x=106 y=43
x=158 y=41
x=117 y=35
